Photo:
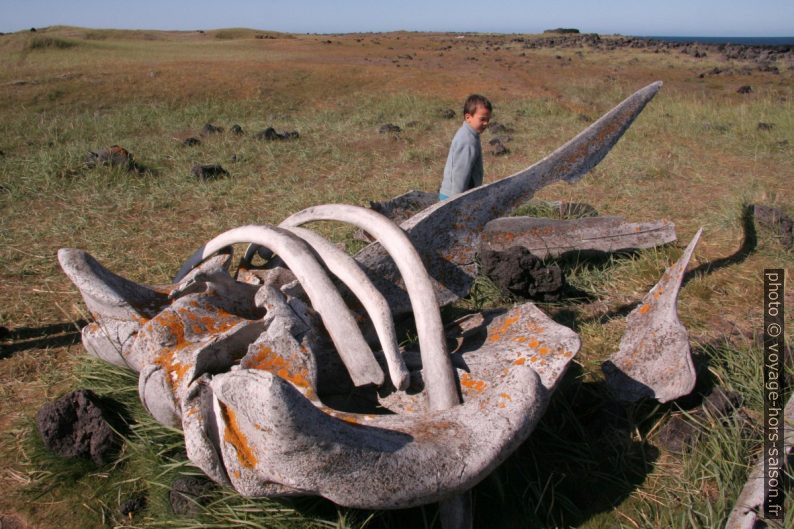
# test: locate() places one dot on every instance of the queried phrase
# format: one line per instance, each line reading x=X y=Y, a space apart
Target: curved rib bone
x=336 y=317
x=439 y=374
x=447 y=234
x=347 y=270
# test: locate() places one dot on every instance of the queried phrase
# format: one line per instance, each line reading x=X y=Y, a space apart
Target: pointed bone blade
x=447 y=234
x=106 y=294
x=654 y=359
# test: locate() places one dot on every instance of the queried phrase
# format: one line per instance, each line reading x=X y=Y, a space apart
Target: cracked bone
x=120 y=307
x=654 y=358
x=749 y=506
x=269 y=433
x=447 y=234
x=551 y=238
x=338 y=320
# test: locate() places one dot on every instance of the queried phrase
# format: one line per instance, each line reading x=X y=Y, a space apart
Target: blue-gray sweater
x=463 y=170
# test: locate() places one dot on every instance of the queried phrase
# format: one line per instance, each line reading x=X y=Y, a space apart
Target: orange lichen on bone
x=644 y=308
x=236 y=438
x=467 y=381
x=509 y=322
x=266 y=359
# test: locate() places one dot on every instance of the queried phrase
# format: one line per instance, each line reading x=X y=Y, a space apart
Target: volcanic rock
x=270 y=134
x=209 y=172
x=777 y=221
x=745 y=89
x=133 y=505
x=191 y=141
x=209 y=129
x=75 y=426
x=237 y=130
x=447 y=113
x=114 y=156
x=188 y=493
x=388 y=128
x=521 y=273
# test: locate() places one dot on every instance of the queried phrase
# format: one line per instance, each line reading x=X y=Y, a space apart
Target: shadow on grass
x=25 y=338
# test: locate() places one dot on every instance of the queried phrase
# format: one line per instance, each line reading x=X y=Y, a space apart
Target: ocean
x=751 y=41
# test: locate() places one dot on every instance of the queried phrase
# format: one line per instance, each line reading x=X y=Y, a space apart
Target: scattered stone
x=745 y=89
x=33 y=30
x=680 y=432
x=765 y=126
x=270 y=134
x=133 y=505
x=584 y=118
x=74 y=426
x=552 y=238
x=114 y=156
x=208 y=172
x=498 y=148
x=499 y=139
x=499 y=128
x=191 y=141
x=209 y=129
x=523 y=274
x=777 y=221
x=389 y=128
x=237 y=130
x=447 y=113
x=188 y=493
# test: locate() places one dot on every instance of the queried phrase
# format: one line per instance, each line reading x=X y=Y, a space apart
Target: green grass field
x=696 y=156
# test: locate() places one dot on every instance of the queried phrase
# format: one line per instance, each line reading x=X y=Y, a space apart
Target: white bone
x=348 y=271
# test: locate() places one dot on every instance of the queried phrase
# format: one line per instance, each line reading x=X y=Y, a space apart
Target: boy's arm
x=460 y=171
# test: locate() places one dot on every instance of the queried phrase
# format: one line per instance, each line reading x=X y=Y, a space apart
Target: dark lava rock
x=777 y=221
x=209 y=172
x=447 y=113
x=400 y=208
x=499 y=139
x=388 y=128
x=521 y=273
x=745 y=89
x=188 y=493
x=75 y=426
x=133 y=505
x=209 y=129
x=678 y=434
x=114 y=156
x=499 y=149
x=499 y=128
x=270 y=134
x=191 y=141
x=237 y=130
x=765 y=126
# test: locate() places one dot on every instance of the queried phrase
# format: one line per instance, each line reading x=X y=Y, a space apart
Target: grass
x=694 y=156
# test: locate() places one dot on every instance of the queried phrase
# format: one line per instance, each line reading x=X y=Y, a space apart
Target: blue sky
x=762 y=18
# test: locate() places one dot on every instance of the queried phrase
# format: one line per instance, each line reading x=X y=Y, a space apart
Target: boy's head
x=477 y=112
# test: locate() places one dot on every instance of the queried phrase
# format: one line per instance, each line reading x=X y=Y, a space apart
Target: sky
x=747 y=18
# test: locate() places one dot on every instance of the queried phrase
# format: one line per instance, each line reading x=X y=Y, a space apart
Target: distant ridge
x=747 y=41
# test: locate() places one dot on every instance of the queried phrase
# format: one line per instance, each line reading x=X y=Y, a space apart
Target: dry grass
x=695 y=156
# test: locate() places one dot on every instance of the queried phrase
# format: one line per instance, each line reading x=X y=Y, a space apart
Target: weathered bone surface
x=748 y=510
x=654 y=359
x=447 y=234
x=247 y=368
x=240 y=368
x=552 y=238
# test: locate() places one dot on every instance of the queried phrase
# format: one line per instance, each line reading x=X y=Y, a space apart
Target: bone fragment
x=348 y=271
x=336 y=317
x=748 y=509
x=447 y=234
x=552 y=238
x=442 y=392
x=654 y=359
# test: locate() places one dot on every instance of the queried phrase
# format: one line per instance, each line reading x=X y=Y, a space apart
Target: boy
x=463 y=170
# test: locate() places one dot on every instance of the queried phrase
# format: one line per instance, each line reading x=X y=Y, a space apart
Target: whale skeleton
x=248 y=371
